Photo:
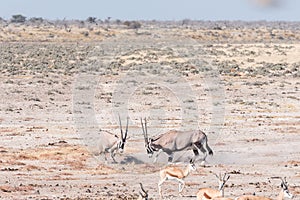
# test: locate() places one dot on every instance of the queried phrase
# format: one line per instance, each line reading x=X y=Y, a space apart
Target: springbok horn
x=143 y=189
x=283 y=181
x=215 y=174
x=226 y=177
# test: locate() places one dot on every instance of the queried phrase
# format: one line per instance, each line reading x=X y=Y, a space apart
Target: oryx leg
x=170 y=157
x=199 y=147
x=204 y=152
x=157 y=154
x=112 y=155
x=196 y=153
x=105 y=156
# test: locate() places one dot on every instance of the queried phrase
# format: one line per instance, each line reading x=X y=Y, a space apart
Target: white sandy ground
x=255 y=137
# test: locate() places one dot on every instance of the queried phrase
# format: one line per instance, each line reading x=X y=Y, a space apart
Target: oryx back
x=179 y=140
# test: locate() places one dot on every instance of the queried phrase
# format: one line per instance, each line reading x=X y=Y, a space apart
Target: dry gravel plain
x=239 y=82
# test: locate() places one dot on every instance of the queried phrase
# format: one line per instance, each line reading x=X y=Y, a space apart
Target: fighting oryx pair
x=169 y=142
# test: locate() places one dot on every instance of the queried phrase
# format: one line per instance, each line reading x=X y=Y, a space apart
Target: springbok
x=110 y=143
x=283 y=193
x=175 y=173
x=144 y=194
x=209 y=193
x=174 y=141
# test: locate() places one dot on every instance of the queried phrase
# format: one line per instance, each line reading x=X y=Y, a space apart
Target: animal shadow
x=131 y=159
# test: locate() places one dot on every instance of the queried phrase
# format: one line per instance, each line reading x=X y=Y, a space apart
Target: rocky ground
x=63 y=82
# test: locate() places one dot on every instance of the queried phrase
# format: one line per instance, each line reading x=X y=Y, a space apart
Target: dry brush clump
x=91 y=20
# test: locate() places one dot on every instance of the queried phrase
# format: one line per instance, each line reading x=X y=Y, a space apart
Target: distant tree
x=186 y=22
x=80 y=24
x=18 y=19
x=2 y=20
x=118 y=21
x=91 y=20
x=107 y=20
x=133 y=24
x=36 y=20
x=67 y=28
x=127 y=23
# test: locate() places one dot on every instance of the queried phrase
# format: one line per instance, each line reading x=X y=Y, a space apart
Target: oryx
x=110 y=143
x=173 y=141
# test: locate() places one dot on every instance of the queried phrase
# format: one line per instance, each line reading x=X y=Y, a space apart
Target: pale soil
x=244 y=95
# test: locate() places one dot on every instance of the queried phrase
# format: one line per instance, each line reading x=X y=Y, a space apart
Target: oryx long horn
x=146 y=127
x=121 y=126
x=145 y=137
x=126 y=128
